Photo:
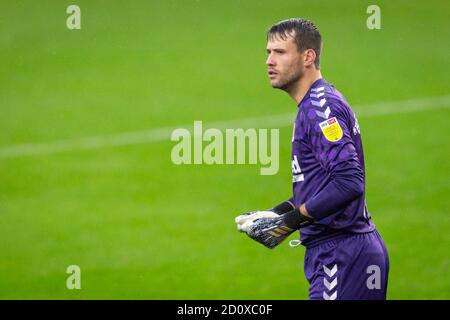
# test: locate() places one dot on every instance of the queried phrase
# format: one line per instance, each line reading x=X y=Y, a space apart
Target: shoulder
x=323 y=103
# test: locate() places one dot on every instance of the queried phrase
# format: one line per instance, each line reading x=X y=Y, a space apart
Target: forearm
x=346 y=184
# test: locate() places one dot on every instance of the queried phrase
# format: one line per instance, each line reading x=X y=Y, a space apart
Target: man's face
x=284 y=62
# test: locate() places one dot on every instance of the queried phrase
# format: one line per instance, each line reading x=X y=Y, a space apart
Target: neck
x=298 y=89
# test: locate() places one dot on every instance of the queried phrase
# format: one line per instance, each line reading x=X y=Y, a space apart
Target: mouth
x=272 y=73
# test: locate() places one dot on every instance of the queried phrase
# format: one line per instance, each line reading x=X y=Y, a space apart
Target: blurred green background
x=141 y=227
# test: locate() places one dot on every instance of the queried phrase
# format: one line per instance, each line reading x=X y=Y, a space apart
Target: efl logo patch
x=331 y=129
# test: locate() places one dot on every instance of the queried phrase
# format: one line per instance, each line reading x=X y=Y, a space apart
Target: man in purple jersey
x=345 y=256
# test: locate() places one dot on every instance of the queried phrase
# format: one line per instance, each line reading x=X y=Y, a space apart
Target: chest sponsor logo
x=331 y=129
x=297 y=174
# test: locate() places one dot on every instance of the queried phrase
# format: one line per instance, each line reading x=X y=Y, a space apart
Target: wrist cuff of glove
x=283 y=208
x=295 y=220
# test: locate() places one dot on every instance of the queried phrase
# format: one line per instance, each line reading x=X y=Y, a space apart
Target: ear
x=309 y=57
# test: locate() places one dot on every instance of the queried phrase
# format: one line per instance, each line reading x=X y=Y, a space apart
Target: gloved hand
x=243 y=221
x=270 y=231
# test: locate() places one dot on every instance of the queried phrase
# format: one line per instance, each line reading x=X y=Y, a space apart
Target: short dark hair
x=306 y=35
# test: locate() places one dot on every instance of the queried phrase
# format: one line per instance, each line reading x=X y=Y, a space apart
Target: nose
x=270 y=62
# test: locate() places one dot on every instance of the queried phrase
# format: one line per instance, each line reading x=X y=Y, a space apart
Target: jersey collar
x=316 y=84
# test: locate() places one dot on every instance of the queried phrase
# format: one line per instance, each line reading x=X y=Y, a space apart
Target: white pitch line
x=163 y=134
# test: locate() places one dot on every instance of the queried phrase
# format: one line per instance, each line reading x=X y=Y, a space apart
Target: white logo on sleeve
x=356 y=129
x=293 y=133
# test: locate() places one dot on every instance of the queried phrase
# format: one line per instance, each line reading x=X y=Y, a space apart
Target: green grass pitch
x=141 y=227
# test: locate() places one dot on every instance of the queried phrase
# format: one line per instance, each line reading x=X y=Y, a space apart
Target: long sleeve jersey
x=328 y=165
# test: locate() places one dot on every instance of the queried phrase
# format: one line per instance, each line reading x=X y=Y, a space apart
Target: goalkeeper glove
x=283 y=207
x=245 y=219
x=271 y=231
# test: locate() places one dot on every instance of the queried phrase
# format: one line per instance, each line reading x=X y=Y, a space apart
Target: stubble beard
x=291 y=80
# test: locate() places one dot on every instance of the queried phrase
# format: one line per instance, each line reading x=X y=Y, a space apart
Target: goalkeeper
x=345 y=256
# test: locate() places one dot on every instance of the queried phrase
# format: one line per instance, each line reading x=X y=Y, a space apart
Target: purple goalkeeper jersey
x=328 y=165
